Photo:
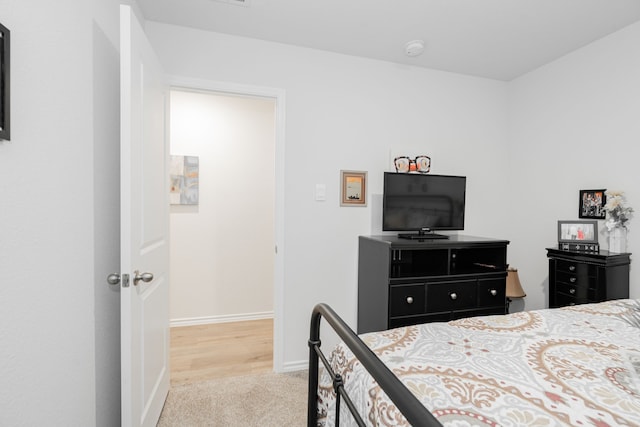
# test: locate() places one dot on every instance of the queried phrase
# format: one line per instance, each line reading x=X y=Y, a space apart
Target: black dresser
x=587 y=277
x=403 y=282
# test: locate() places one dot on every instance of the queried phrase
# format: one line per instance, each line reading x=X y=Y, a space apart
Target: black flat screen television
x=418 y=204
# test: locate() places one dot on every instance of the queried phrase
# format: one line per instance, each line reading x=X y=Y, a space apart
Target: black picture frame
x=5 y=104
x=577 y=232
x=591 y=204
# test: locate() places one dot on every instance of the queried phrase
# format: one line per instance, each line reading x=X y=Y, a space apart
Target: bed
x=570 y=366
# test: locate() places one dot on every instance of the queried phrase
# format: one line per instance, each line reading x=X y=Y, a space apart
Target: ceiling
x=497 y=39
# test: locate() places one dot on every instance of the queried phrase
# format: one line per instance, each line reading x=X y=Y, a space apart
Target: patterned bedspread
x=573 y=366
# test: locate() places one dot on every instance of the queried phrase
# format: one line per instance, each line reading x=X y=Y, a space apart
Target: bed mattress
x=571 y=366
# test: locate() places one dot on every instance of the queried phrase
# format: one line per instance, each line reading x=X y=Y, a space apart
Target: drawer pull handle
x=572 y=280
x=493 y=292
x=409 y=300
x=572 y=268
x=453 y=296
x=572 y=291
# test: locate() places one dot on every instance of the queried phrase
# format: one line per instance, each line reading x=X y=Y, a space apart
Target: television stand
x=422 y=236
x=407 y=282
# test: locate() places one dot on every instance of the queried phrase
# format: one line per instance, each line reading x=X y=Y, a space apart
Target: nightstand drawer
x=567 y=266
x=572 y=290
x=564 y=300
x=447 y=296
x=576 y=279
x=577 y=268
x=406 y=300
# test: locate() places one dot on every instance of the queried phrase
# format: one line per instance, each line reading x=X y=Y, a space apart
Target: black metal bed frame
x=414 y=411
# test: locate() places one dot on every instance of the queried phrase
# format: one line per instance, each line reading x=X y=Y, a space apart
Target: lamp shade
x=514 y=288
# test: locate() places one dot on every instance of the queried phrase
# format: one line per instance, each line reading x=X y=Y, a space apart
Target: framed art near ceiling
x=4 y=83
x=353 y=190
x=591 y=204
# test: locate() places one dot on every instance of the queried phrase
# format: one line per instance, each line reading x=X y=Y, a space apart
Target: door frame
x=203 y=85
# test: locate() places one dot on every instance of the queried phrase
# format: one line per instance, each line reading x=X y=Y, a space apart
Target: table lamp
x=514 y=288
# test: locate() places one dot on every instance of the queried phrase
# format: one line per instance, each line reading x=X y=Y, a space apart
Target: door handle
x=145 y=277
x=117 y=279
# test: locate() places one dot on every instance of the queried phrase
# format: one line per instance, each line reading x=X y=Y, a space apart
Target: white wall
x=58 y=230
x=573 y=125
x=347 y=113
x=222 y=250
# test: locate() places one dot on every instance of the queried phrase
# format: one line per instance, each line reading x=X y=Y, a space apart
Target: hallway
x=218 y=350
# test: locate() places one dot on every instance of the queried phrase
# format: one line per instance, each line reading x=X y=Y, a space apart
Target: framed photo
x=353 y=189
x=577 y=232
x=4 y=82
x=591 y=204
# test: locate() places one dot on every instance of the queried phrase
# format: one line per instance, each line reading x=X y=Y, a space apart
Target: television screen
x=423 y=202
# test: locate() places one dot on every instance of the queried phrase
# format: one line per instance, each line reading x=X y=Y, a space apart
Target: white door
x=145 y=228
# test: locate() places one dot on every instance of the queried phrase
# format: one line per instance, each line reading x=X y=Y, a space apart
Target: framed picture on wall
x=353 y=189
x=4 y=83
x=591 y=204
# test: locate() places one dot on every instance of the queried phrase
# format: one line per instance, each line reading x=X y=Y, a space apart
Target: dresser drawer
x=576 y=279
x=447 y=296
x=396 y=322
x=573 y=290
x=491 y=292
x=406 y=300
x=567 y=266
x=577 y=268
x=564 y=299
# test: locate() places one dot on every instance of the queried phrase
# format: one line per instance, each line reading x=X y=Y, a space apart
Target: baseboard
x=220 y=319
x=295 y=366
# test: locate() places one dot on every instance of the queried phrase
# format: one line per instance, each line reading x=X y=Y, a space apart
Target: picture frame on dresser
x=584 y=231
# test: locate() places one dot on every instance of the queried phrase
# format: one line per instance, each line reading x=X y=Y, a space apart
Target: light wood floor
x=219 y=350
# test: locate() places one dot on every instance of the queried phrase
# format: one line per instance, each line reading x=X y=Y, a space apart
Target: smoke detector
x=414 y=48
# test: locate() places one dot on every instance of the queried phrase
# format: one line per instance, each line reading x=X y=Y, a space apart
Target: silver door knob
x=145 y=277
x=113 y=279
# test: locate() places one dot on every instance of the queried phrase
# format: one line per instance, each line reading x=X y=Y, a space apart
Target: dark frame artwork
x=577 y=231
x=5 y=39
x=591 y=204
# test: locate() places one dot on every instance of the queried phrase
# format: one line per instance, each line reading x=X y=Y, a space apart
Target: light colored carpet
x=263 y=400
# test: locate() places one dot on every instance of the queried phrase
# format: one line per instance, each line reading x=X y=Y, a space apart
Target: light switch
x=321 y=192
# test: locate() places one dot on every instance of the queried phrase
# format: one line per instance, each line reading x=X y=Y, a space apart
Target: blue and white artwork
x=184 y=175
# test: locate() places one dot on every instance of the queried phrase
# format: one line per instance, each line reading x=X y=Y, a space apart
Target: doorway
x=223 y=267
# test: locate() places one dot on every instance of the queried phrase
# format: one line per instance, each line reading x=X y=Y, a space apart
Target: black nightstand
x=587 y=277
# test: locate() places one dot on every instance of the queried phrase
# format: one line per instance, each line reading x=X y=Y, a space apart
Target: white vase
x=618 y=240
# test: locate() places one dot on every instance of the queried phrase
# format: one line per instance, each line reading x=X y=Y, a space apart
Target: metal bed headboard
x=414 y=411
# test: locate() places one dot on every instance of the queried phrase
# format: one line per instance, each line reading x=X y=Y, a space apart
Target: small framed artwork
x=577 y=232
x=591 y=204
x=353 y=189
x=4 y=83
x=184 y=175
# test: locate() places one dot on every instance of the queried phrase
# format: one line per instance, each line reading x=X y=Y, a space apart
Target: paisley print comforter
x=572 y=366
